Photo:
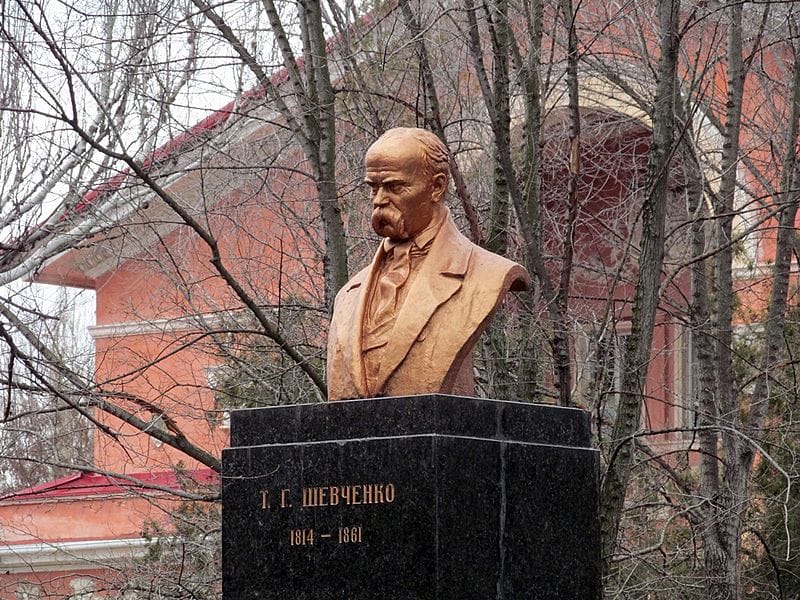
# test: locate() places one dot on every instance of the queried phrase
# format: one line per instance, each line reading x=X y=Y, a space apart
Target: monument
x=407 y=324
x=406 y=488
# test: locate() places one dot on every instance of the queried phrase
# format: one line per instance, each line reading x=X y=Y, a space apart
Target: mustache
x=387 y=216
x=388 y=213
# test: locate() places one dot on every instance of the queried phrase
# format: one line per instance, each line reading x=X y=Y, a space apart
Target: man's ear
x=438 y=187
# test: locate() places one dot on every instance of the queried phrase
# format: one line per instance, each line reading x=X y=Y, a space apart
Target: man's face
x=404 y=198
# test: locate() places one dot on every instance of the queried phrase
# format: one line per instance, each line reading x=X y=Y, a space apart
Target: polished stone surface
x=450 y=498
x=411 y=415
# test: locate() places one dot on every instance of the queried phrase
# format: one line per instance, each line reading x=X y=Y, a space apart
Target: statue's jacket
x=457 y=289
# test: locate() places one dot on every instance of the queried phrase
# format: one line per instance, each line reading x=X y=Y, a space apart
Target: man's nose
x=380 y=199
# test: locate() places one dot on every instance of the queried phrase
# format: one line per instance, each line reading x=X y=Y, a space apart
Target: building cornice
x=69 y=556
x=233 y=318
x=153 y=326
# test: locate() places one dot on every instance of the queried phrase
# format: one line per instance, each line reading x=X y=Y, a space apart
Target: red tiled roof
x=94 y=484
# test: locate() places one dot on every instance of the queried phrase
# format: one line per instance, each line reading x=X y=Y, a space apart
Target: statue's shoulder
x=488 y=268
x=490 y=259
x=494 y=267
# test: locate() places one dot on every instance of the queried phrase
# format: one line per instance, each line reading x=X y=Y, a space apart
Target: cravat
x=392 y=278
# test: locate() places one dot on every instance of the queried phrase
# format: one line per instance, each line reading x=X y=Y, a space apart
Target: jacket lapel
x=352 y=340
x=440 y=276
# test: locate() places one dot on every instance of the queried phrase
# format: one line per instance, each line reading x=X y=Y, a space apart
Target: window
x=219 y=415
x=28 y=591
x=599 y=352
x=686 y=383
x=82 y=588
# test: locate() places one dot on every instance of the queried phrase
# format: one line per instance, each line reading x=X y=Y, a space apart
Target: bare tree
x=638 y=347
x=730 y=421
x=576 y=134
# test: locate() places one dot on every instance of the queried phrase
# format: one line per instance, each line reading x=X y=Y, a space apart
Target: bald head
x=432 y=151
x=407 y=170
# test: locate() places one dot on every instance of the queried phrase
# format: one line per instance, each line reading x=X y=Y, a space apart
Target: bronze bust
x=408 y=323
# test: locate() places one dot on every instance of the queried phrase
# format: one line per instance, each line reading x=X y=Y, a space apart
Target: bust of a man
x=408 y=323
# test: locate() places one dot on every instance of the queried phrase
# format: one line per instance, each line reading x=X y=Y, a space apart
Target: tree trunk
x=534 y=260
x=721 y=536
x=529 y=370
x=433 y=117
x=637 y=350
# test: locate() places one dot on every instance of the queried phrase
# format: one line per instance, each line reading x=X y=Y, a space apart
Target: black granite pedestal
x=425 y=497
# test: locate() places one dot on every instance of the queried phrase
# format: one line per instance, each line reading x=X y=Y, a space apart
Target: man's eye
x=394 y=188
